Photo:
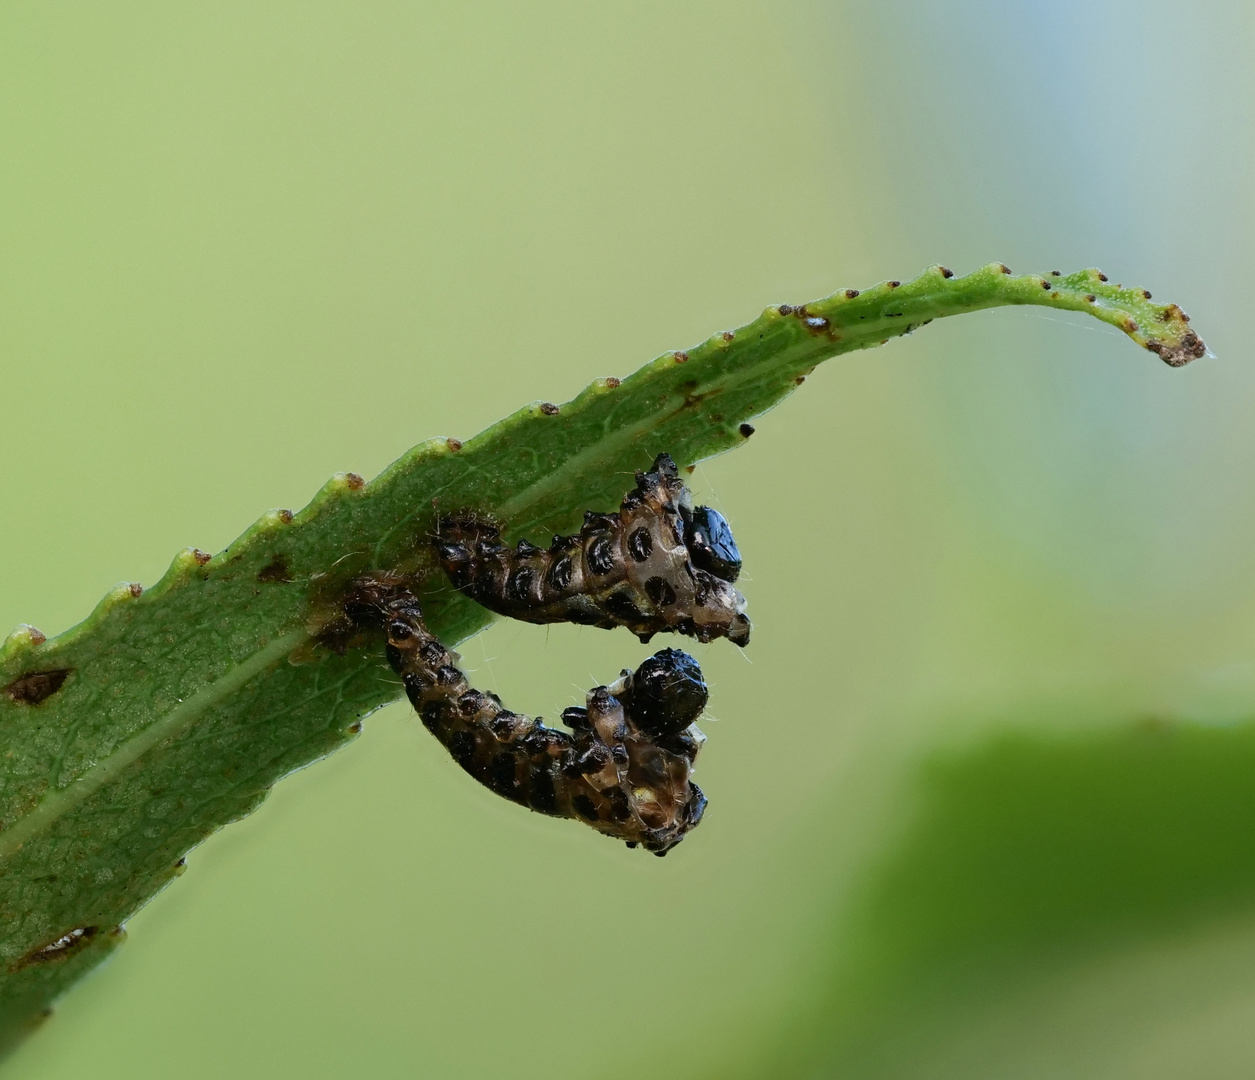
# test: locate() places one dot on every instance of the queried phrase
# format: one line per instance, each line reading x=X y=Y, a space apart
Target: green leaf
x=1029 y=859
x=170 y=712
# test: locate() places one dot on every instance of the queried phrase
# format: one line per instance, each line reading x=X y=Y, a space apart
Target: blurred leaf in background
x=249 y=246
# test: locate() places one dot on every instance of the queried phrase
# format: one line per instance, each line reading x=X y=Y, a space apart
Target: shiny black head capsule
x=667 y=693
x=711 y=547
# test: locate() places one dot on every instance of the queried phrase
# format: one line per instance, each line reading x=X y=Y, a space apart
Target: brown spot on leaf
x=850 y=294
x=136 y=588
x=201 y=557
x=681 y=357
x=36 y=686
x=1102 y=276
x=1004 y=268
x=549 y=408
x=37 y=636
x=1055 y=273
x=1045 y=284
x=612 y=383
x=746 y=430
x=894 y=284
x=355 y=728
x=785 y=309
x=945 y=271
x=1130 y=327
x=354 y=482
x=727 y=335
x=275 y=572
x=285 y=516
x=800 y=379
x=454 y=445
x=1145 y=294
x=58 y=949
x=1090 y=298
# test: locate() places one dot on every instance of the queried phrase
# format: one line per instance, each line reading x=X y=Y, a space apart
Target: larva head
x=666 y=693
x=708 y=537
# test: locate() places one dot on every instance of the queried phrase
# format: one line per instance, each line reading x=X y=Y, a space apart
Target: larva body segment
x=626 y=766
x=657 y=564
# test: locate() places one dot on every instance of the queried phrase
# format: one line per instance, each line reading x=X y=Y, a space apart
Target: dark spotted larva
x=658 y=564
x=626 y=766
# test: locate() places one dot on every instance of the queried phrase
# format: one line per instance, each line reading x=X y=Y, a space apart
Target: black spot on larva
x=36 y=686
x=549 y=408
x=621 y=606
x=601 y=555
x=576 y=718
x=543 y=796
x=431 y=653
x=746 y=430
x=275 y=572
x=560 y=573
x=502 y=775
x=57 y=949
x=448 y=675
x=431 y=714
x=584 y=807
x=620 y=809
x=640 y=544
x=946 y=272
x=471 y=702
x=659 y=590
x=519 y=585
x=462 y=747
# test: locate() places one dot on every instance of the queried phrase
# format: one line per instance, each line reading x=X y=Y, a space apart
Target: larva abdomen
x=657 y=564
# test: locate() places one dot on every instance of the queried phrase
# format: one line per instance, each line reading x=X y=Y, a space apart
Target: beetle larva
x=657 y=564
x=625 y=767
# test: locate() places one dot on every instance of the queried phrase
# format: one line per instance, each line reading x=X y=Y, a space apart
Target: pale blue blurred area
x=253 y=245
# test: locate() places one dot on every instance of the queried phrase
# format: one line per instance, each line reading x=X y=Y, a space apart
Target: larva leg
x=626 y=766
x=657 y=564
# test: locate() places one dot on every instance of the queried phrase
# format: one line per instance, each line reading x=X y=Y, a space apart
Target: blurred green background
x=981 y=799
